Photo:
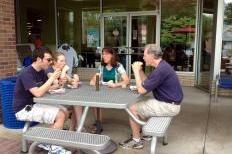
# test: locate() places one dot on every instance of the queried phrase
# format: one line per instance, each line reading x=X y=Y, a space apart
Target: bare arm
x=69 y=79
x=142 y=75
x=40 y=91
x=93 y=79
x=55 y=83
x=125 y=81
x=139 y=77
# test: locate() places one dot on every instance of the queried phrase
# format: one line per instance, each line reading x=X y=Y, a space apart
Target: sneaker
x=147 y=138
x=131 y=144
x=58 y=150
x=44 y=146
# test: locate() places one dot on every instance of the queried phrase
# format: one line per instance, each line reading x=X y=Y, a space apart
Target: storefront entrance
x=128 y=33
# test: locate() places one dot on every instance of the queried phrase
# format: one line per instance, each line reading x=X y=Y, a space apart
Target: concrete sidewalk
x=186 y=134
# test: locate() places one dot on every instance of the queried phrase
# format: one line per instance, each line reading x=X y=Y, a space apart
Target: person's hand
x=112 y=85
x=137 y=66
x=92 y=83
x=63 y=80
x=56 y=74
x=76 y=77
x=64 y=70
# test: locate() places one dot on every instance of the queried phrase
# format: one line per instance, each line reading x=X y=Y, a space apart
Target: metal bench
x=157 y=127
x=65 y=138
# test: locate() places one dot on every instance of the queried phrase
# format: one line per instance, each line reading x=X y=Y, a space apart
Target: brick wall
x=186 y=79
x=8 y=54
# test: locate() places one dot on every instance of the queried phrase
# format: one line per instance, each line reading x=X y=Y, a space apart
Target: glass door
x=143 y=31
x=128 y=33
x=206 y=41
x=116 y=35
x=206 y=51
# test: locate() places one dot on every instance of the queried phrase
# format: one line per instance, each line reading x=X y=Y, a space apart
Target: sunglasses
x=49 y=59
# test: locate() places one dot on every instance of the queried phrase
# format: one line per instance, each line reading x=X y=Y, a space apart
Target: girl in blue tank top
x=112 y=74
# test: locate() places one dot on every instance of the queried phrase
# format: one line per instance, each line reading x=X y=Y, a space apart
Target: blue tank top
x=109 y=74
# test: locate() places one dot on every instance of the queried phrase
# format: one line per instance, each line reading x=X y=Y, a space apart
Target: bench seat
x=157 y=127
x=65 y=138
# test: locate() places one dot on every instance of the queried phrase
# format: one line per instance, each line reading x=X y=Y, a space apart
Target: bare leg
x=98 y=117
x=75 y=119
x=97 y=128
x=134 y=126
x=59 y=121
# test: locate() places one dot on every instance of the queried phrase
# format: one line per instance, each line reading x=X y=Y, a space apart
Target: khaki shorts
x=40 y=113
x=152 y=107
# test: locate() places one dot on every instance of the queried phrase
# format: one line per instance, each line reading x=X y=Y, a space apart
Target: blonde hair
x=55 y=56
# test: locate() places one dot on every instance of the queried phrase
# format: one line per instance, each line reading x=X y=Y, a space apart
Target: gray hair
x=155 y=50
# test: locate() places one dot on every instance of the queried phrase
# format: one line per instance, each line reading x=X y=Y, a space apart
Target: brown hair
x=39 y=53
x=114 y=58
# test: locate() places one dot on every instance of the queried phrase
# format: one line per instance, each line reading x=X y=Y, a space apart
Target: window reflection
x=226 y=62
x=178 y=33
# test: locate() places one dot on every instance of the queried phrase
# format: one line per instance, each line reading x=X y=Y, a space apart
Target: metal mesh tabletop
x=86 y=95
x=67 y=138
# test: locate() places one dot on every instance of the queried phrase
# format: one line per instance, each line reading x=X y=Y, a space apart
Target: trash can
x=0 y=105
x=7 y=92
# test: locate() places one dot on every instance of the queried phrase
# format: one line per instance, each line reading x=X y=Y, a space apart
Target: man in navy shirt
x=164 y=85
x=33 y=82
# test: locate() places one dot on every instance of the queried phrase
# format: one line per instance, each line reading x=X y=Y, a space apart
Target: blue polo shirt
x=27 y=79
x=164 y=84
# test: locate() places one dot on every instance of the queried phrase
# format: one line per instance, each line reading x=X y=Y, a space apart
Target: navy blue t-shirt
x=27 y=79
x=164 y=84
x=49 y=70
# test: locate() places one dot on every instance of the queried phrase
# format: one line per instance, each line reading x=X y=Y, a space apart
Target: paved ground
x=186 y=133
x=9 y=146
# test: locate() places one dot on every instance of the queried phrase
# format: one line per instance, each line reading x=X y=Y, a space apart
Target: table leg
x=135 y=118
x=82 y=120
x=98 y=122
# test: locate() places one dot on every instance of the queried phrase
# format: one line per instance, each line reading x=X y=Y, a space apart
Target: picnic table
x=87 y=96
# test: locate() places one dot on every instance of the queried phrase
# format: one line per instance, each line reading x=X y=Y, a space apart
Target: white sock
x=136 y=139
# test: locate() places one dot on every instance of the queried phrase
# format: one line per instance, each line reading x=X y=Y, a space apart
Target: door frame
x=129 y=16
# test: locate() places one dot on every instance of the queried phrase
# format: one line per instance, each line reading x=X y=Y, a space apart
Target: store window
x=130 y=5
x=36 y=23
x=35 y=27
x=226 y=62
x=66 y=28
x=90 y=37
x=79 y=26
x=178 y=33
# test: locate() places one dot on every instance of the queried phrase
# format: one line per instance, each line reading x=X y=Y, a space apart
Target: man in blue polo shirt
x=163 y=83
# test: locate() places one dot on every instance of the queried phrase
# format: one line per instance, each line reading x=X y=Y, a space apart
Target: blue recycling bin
x=7 y=92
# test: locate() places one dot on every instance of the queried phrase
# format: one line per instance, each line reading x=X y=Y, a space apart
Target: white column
x=158 y=24
x=218 y=39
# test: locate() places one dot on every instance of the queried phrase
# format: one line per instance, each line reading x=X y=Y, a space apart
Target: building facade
x=190 y=32
x=8 y=54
